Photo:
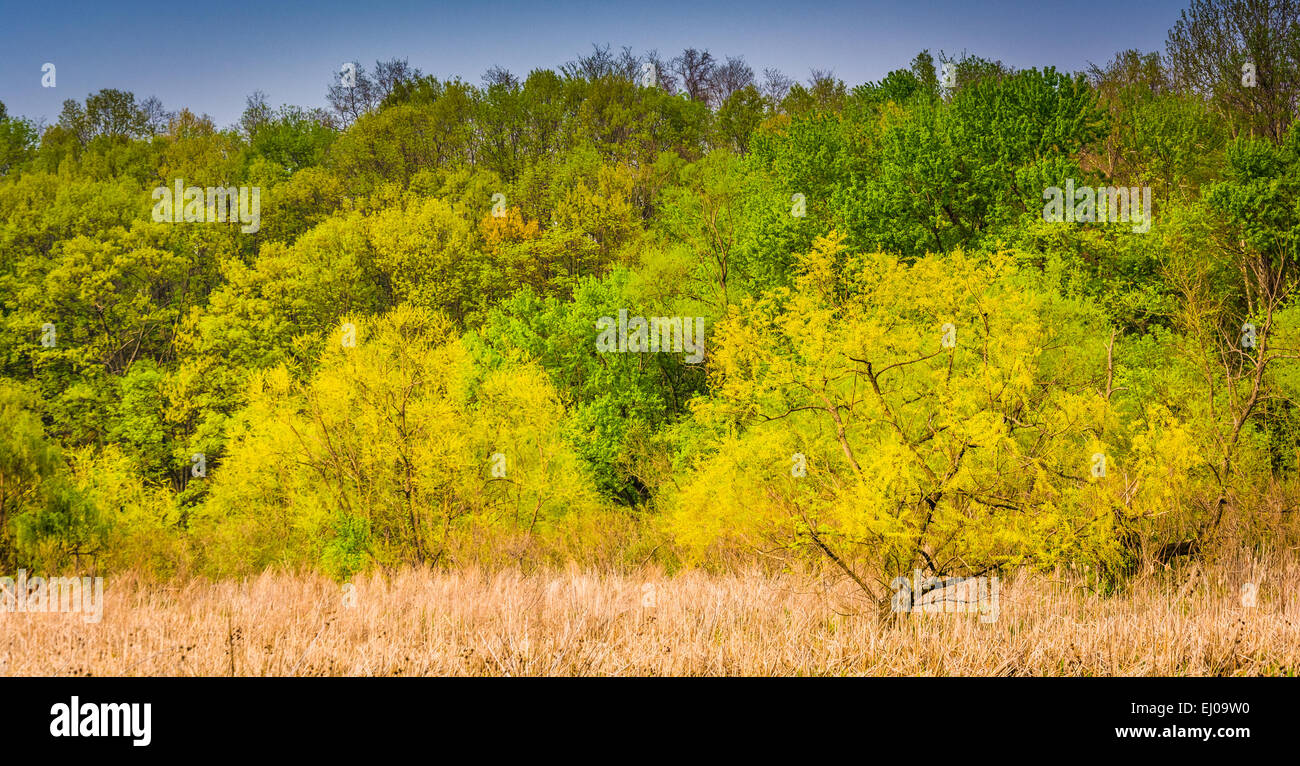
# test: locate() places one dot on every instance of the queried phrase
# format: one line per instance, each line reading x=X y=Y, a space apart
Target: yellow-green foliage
x=387 y=453
x=142 y=523
x=1054 y=394
x=917 y=455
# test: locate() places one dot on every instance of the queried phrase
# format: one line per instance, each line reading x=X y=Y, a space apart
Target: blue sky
x=211 y=60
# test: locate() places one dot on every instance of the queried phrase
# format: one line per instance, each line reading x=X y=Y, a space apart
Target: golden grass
x=1189 y=622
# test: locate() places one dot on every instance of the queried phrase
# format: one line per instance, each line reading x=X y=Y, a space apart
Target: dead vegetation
x=1190 y=621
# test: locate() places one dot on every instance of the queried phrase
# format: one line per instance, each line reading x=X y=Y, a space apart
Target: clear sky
x=210 y=58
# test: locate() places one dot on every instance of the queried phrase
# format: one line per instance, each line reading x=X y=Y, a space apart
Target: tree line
x=905 y=365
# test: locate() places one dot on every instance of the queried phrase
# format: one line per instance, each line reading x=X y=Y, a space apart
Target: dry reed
x=574 y=622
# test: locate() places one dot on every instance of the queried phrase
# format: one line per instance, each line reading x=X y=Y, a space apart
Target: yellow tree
x=947 y=415
x=396 y=444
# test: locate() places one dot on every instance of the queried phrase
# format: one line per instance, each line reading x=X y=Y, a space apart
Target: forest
x=655 y=308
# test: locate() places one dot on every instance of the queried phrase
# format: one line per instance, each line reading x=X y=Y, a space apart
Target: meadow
x=474 y=622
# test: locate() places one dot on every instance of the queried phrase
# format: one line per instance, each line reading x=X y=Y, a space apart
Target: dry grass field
x=1186 y=622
